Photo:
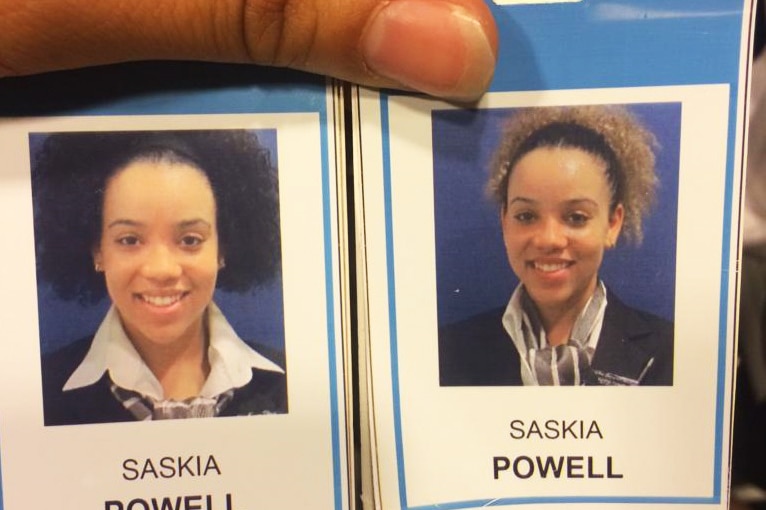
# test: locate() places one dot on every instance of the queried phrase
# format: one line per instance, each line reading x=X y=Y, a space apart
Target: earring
x=97 y=266
x=221 y=263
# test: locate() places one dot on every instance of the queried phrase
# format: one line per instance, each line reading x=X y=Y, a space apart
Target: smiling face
x=556 y=225
x=159 y=250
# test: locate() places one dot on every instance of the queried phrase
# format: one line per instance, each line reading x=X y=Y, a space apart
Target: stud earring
x=221 y=263
x=97 y=266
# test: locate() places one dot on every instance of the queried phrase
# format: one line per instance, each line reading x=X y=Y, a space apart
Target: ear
x=615 y=226
x=221 y=256
x=97 y=260
x=503 y=214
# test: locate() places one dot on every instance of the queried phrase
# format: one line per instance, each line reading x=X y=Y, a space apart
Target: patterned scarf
x=567 y=364
x=148 y=408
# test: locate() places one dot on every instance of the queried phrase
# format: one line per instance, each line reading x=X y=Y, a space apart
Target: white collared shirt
x=515 y=320
x=231 y=359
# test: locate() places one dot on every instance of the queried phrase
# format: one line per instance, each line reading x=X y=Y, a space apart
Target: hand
x=445 y=48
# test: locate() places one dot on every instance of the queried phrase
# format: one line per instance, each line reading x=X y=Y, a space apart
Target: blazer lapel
x=619 y=358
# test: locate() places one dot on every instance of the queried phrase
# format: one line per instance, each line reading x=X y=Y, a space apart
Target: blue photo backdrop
x=256 y=315
x=472 y=270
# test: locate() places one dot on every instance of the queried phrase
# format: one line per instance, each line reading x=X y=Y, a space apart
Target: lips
x=550 y=267
x=162 y=301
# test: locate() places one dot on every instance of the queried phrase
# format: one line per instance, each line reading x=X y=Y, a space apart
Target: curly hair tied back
x=72 y=170
x=610 y=133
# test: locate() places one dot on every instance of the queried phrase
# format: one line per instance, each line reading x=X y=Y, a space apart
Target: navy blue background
x=473 y=274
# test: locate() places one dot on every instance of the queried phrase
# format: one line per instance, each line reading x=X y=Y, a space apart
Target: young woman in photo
x=157 y=221
x=569 y=183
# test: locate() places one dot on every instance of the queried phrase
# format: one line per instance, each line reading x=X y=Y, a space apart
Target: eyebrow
x=185 y=224
x=570 y=202
x=124 y=223
x=521 y=199
x=577 y=201
x=194 y=223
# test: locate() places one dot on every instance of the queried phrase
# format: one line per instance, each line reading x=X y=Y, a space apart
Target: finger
x=442 y=47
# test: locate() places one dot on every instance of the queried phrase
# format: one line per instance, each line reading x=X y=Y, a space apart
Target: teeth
x=549 y=268
x=161 y=300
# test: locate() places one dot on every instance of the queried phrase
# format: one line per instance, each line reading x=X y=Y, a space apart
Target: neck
x=558 y=319
x=558 y=324
x=181 y=366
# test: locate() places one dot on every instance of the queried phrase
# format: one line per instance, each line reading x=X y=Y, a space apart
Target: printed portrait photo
x=555 y=231
x=159 y=274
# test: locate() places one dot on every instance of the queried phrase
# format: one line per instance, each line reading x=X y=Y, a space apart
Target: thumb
x=442 y=47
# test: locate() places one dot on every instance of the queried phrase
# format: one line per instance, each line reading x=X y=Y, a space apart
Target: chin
x=164 y=337
x=548 y=298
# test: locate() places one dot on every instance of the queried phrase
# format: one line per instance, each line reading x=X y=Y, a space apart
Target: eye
x=577 y=219
x=191 y=241
x=525 y=217
x=128 y=240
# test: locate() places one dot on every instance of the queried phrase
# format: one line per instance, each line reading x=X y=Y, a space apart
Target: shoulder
x=58 y=365
x=273 y=354
x=266 y=393
x=90 y=404
x=477 y=351
x=633 y=336
x=637 y=323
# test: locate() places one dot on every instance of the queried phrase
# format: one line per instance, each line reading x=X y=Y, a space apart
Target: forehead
x=148 y=184
x=552 y=171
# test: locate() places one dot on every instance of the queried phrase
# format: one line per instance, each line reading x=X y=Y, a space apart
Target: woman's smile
x=549 y=267
x=162 y=301
x=549 y=274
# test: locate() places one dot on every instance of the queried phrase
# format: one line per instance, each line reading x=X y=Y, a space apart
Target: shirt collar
x=516 y=320
x=231 y=359
x=513 y=322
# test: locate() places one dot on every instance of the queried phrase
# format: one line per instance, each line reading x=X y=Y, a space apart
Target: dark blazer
x=266 y=393
x=479 y=352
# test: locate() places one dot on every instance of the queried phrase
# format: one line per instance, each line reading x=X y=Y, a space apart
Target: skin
x=381 y=43
x=556 y=226
x=160 y=258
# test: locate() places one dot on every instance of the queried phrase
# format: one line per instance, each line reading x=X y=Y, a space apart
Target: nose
x=550 y=235
x=160 y=264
